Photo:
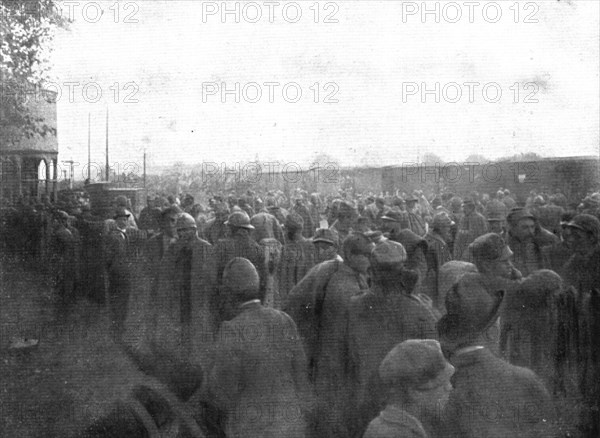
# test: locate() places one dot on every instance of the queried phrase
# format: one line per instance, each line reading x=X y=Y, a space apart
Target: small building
x=104 y=194
x=28 y=161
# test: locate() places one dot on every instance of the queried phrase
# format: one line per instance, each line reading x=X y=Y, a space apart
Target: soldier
x=259 y=371
x=186 y=318
x=315 y=211
x=156 y=276
x=471 y=226
x=508 y=200
x=415 y=220
x=150 y=216
x=274 y=208
x=437 y=255
x=240 y=244
x=581 y=272
x=118 y=266
x=244 y=205
x=267 y=232
x=302 y=210
x=297 y=256
x=216 y=229
x=267 y=227
x=65 y=244
x=346 y=280
x=495 y=207
x=375 y=211
x=376 y=321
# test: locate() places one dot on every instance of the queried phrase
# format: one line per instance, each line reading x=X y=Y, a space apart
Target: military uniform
x=258 y=378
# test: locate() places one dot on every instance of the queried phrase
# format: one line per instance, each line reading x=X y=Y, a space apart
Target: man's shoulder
x=157 y=238
x=341 y=274
x=202 y=244
x=363 y=304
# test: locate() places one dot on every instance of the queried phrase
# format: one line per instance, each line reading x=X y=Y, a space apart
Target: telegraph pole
x=71 y=171
x=89 y=147
x=107 y=165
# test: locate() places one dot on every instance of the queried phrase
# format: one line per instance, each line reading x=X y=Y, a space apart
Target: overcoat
x=376 y=322
x=492 y=398
x=259 y=375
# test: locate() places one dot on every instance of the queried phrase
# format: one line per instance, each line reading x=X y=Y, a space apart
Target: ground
x=75 y=373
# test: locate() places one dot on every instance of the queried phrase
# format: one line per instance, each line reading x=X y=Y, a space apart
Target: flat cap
x=387 y=252
x=586 y=222
x=417 y=363
x=495 y=218
x=357 y=243
x=518 y=213
x=326 y=235
x=121 y=212
x=442 y=219
x=294 y=221
x=393 y=216
x=375 y=236
x=490 y=246
x=347 y=207
x=221 y=208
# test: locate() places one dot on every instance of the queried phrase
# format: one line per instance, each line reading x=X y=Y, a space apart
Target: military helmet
x=239 y=219
x=241 y=278
x=185 y=221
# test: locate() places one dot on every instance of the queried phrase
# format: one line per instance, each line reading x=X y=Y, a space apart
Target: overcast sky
x=369 y=62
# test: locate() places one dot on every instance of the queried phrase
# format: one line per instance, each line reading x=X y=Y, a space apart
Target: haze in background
x=368 y=54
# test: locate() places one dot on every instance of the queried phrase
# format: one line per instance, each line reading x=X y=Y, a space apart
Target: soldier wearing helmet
x=259 y=362
x=239 y=244
x=187 y=294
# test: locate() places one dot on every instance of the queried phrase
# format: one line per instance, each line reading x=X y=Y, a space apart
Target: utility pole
x=71 y=171
x=107 y=165
x=89 y=147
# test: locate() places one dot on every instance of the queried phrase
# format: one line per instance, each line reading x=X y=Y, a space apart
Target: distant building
x=28 y=164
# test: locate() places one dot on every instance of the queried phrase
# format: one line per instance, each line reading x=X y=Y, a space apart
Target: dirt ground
x=75 y=373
